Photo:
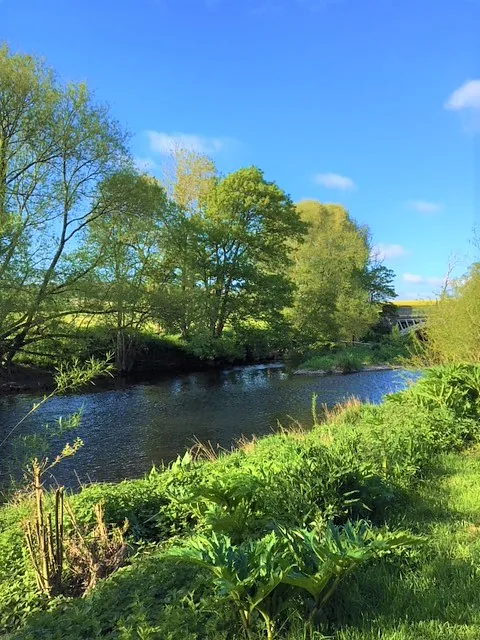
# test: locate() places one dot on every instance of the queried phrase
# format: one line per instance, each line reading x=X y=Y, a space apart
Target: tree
x=188 y=178
x=334 y=287
x=128 y=239
x=243 y=240
x=378 y=281
x=56 y=146
x=452 y=332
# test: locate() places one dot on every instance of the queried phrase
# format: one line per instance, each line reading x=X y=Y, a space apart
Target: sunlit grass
x=435 y=594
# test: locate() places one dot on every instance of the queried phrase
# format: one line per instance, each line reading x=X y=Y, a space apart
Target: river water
x=127 y=430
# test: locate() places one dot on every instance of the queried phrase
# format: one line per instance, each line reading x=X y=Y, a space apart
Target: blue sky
x=371 y=103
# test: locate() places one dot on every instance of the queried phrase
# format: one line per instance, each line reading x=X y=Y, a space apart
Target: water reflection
x=127 y=430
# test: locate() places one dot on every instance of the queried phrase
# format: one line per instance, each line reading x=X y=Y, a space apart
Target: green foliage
x=324 y=556
x=312 y=560
x=365 y=461
x=246 y=574
x=430 y=592
x=452 y=328
x=349 y=363
x=57 y=145
x=227 y=504
x=391 y=350
x=126 y=238
x=222 y=348
x=453 y=387
x=335 y=284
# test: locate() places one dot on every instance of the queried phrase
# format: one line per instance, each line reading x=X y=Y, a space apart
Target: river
x=127 y=430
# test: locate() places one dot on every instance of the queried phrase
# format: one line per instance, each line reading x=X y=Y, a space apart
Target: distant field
x=414 y=303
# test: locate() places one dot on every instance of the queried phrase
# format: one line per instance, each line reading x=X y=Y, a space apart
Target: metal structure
x=408 y=320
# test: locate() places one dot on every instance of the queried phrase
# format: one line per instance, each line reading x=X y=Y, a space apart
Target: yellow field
x=414 y=303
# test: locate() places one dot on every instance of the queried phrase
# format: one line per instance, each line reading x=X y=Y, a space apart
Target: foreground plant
x=313 y=560
x=44 y=534
x=245 y=574
x=93 y=553
x=325 y=555
x=44 y=537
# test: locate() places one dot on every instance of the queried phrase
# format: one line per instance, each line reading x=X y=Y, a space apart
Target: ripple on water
x=127 y=430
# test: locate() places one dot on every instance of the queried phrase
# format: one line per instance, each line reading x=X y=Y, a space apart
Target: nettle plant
x=226 y=503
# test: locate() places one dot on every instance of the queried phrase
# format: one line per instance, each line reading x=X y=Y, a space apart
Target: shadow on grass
x=430 y=591
x=150 y=599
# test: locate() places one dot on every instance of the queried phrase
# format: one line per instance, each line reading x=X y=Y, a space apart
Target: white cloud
x=145 y=164
x=417 y=279
x=334 y=181
x=165 y=143
x=389 y=251
x=425 y=207
x=465 y=97
x=411 y=277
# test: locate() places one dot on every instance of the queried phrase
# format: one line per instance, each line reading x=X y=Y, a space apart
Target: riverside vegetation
x=265 y=541
x=392 y=350
x=97 y=255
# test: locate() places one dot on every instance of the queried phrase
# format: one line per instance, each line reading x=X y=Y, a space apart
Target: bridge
x=408 y=320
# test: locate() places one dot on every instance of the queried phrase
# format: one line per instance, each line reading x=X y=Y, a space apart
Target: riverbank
x=25 y=378
x=34 y=380
x=390 y=353
x=333 y=472
x=154 y=357
x=338 y=371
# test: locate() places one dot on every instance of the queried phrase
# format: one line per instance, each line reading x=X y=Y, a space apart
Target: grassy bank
x=434 y=594
x=409 y=464
x=351 y=358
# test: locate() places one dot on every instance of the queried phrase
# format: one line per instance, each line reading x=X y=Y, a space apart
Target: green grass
x=346 y=362
x=435 y=594
x=352 y=358
x=417 y=304
x=431 y=594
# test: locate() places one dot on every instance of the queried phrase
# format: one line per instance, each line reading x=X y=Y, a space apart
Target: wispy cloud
x=414 y=278
x=164 y=143
x=466 y=102
x=425 y=207
x=334 y=181
x=465 y=97
x=389 y=251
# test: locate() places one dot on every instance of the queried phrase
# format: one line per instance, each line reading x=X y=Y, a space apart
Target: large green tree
x=56 y=146
x=131 y=266
x=188 y=177
x=243 y=244
x=336 y=284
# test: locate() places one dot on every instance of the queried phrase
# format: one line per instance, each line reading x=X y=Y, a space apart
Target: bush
x=349 y=362
x=343 y=362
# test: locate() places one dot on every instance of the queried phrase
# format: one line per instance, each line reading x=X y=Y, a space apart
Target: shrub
x=349 y=362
